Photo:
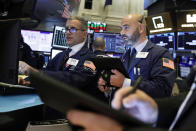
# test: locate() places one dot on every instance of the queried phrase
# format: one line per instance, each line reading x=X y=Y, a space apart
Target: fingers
x=117 y=78
x=102 y=85
x=81 y=118
x=130 y=101
x=118 y=97
x=115 y=71
x=25 y=69
x=22 y=67
x=21 y=81
x=93 y=122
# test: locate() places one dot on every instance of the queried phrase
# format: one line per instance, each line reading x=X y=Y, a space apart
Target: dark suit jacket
x=82 y=55
x=78 y=76
x=27 y=55
x=157 y=79
x=99 y=52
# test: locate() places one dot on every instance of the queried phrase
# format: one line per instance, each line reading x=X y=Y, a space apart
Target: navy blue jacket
x=157 y=79
x=78 y=76
x=99 y=53
x=82 y=55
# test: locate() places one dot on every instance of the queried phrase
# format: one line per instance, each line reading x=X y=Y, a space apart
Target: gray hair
x=82 y=21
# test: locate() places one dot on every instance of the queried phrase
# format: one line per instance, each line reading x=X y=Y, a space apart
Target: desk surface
x=17 y=102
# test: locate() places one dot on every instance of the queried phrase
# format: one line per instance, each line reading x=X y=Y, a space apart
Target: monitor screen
x=10 y=34
x=38 y=40
x=186 y=63
x=114 y=42
x=58 y=39
x=186 y=41
x=166 y=40
x=54 y=52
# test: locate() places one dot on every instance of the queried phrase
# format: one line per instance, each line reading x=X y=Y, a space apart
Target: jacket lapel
x=137 y=60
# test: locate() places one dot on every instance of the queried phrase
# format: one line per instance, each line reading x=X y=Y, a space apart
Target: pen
x=136 y=85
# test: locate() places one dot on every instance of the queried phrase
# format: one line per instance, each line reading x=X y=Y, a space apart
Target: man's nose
x=122 y=32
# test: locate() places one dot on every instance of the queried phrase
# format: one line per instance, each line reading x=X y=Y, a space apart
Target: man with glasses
x=154 y=63
x=69 y=66
x=72 y=59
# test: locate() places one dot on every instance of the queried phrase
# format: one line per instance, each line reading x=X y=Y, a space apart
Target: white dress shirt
x=76 y=48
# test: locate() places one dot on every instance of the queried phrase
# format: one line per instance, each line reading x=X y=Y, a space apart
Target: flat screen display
x=38 y=40
x=54 y=52
x=166 y=40
x=58 y=39
x=114 y=42
x=186 y=41
x=186 y=63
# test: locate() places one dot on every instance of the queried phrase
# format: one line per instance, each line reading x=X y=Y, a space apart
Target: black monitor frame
x=10 y=35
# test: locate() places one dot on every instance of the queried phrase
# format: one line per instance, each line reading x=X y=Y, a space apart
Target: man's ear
x=85 y=34
x=142 y=28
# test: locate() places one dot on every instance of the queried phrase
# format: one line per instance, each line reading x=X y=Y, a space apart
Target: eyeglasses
x=71 y=30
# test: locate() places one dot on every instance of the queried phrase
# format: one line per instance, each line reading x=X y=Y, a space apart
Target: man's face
x=129 y=31
x=76 y=37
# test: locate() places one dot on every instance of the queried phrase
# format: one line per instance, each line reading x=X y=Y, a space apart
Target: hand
x=138 y=105
x=92 y=122
x=24 y=68
x=117 y=79
x=102 y=85
x=21 y=81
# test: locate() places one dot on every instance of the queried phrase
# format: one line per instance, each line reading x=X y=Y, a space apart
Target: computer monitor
x=54 y=52
x=166 y=40
x=58 y=40
x=38 y=40
x=186 y=63
x=186 y=41
x=114 y=42
x=10 y=34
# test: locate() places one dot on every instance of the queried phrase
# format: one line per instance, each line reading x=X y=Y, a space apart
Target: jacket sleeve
x=160 y=80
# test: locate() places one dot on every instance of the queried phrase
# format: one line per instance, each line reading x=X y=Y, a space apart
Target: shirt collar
x=141 y=46
x=76 y=48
